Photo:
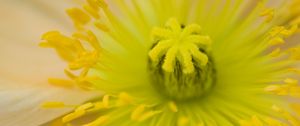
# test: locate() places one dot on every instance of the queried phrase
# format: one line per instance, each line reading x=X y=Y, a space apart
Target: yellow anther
x=98 y=122
x=101 y=26
x=148 y=115
x=96 y=107
x=61 y=82
x=85 y=59
x=56 y=39
x=93 y=40
x=82 y=80
x=244 y=123
x=173 y=106
x=137 y=113
x=105 y=101
x=90 y=37
x=201 y=124
x=256 y=121
x=291 y=81
x=278 y=89
x=275 y=53
x=93 y=4
x=295 y=53
x=283 y=31
x=125 y=99
x=288 y=116
x=183 y=121
x=296 y=107
x=276 y=41
x=91 y=11
x=84 y=107
x=179 y=43
x=294 y=70
x=273 y=122
x=291 y=31
x=73 y=115
x=268 y=14
x=53 y=105
x=78 y=16
x=295 y=91
x=101 y=3
x=276 y=31
x=272 y=88
x=66 y=47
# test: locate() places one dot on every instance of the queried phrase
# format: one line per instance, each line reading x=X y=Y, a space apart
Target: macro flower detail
x=181 y=63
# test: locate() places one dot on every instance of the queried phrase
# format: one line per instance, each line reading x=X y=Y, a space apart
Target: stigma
x=179 y=60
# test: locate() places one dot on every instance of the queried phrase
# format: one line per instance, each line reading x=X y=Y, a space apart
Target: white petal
x=24 y=67
x=21 y=105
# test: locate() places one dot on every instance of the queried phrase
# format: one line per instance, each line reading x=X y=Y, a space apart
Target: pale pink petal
x=24 y=67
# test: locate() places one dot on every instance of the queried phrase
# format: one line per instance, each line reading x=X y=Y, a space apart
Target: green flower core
x=180 y=66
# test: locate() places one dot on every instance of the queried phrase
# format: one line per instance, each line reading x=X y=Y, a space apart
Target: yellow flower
x=167 y=63
x=181 y=63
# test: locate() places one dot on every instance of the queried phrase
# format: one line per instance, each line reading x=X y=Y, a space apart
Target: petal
x=22 y=105
x=24 y=67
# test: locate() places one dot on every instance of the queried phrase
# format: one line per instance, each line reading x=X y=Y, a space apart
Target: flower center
x=179 y=62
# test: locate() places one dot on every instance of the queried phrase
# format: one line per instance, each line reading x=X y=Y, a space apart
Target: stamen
x=98 y=122
x=255 y=121
x=105 y=101
x=173 y=107
x=72 y=116
x=84 y=106
x=136 y=114
x=53 y=105
x=101 y=3
x=91 y=11
x=93 y=4
x=101 y=26
x=124 y=99
x=295 y=53
x=290 y=88
x=183 y=121
x=82 y=80
x=275 y=53
x=276 y=41
x=268 y=14
x=296 y=107
x=61 y=82
x=78 y=16
x=290 y=118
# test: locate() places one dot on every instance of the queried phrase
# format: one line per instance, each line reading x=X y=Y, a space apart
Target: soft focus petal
x=24 y=69
x=22 y=105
